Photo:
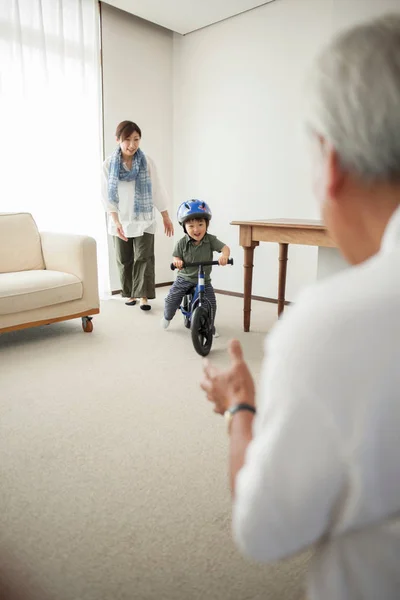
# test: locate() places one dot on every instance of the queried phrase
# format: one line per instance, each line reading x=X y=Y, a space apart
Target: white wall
x=221 y=113
x=330 y=262
x=238 y=137
x=137 y=84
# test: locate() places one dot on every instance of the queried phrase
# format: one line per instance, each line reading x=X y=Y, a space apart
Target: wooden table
x=283 y=232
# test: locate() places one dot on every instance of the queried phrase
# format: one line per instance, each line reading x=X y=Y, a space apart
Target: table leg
x=283 y=257
x=248 y=280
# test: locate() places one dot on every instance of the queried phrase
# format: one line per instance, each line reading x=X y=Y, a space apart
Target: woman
x=131 y=189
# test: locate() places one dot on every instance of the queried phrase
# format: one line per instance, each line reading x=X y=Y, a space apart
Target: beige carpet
x=113 y=478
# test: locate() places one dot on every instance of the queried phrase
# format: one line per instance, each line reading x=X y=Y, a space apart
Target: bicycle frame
x=199 y=298
x=198 y=312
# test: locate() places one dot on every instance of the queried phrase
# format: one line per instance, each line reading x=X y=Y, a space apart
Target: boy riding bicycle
x=196 y=246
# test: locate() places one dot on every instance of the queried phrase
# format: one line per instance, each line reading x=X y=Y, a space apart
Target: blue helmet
x=193 y=209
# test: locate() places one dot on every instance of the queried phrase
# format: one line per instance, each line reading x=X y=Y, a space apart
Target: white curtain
x=50 y=117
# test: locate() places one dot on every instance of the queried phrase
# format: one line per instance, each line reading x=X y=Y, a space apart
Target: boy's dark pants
x=179 y=289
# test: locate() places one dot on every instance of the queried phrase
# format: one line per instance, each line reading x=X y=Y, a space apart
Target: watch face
x=228 y=418
x=228 y=415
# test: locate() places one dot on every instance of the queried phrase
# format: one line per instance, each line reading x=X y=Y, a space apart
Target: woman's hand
x=234 y=385
x=120 y=231
x=168 y=226
x=178 y=262
x=118 y=226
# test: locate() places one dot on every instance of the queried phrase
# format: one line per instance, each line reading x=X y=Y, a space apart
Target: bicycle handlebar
x=207 y=263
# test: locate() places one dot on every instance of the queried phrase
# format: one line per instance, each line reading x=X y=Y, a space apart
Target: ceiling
x=185 y=16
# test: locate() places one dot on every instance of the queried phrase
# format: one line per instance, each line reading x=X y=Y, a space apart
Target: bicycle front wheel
x=201 y=329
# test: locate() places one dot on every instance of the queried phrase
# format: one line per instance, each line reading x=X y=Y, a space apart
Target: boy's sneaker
x=164 y=323
x=215 y=333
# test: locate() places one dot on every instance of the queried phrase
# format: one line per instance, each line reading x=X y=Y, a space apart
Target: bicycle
x=197 y=310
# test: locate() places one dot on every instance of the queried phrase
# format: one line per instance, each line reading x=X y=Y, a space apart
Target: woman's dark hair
x=125 y=130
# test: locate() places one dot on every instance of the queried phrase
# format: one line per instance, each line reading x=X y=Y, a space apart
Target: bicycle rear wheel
x=201 y=329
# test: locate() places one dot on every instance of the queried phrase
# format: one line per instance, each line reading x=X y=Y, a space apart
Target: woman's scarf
x=139 y=173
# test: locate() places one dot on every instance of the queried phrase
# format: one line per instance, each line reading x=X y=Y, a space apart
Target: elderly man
x=320 y=461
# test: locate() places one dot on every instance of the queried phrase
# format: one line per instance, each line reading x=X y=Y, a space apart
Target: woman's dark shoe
x=131 y=303
x=144 y=305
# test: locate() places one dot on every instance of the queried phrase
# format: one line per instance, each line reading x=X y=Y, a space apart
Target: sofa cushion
x=20 y=246
x=27 y=290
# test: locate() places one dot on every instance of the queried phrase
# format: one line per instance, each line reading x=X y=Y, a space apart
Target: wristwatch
x=228 y=414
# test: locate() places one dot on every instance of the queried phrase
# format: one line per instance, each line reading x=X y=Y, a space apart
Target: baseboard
x=158 y=285
x=224 y=293
x=259 y=298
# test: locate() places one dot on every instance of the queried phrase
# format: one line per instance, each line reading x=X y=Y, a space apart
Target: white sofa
x=45 y=277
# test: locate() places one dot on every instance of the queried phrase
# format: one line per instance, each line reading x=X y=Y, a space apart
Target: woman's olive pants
x=135 y=260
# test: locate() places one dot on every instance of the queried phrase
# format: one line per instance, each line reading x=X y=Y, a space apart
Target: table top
x=289 y=223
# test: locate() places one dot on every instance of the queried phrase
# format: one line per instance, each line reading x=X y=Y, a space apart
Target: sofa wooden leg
x=87 y=324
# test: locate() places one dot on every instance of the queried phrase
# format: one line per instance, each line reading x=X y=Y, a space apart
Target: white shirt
x=324 y=463
x=126 y=194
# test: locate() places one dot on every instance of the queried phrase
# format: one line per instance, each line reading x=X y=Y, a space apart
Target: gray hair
x=355 y=98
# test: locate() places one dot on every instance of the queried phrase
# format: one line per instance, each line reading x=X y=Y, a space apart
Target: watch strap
x=242 y=406
x=232 y=410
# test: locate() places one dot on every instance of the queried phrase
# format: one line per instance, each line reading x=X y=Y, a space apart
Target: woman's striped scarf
x=139 y=173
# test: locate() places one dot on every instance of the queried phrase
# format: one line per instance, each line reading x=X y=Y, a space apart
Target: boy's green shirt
x=187 y=251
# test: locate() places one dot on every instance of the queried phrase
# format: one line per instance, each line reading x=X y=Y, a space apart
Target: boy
x=196 y=246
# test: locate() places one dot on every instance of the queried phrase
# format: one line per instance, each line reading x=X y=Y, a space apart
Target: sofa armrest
x=75 y=254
